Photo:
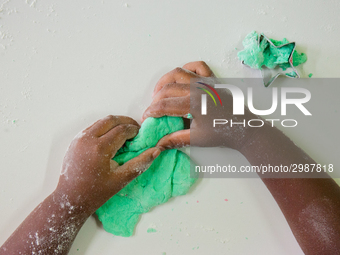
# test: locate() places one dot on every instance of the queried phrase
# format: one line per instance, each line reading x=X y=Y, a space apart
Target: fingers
x=178 y=75
x=134 y=167
x=179 y=106
x=200 y=68
x=175 y=140
x=183 y=75
x=172 y=90
x=116 y=137
x=172 y=100
x=104 y=125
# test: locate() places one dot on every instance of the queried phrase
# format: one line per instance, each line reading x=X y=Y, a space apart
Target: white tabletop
x=65 y=64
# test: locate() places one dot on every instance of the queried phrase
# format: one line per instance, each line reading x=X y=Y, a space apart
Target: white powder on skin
x=318 y=216
x=64 y=170
x=67 y=163
x=61 y=229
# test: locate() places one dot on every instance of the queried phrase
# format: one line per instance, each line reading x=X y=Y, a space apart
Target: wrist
x=241 y=130
x=254 y=134
x=71 y=203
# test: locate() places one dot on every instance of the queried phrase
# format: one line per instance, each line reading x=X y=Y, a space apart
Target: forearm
x=88 y=179
x=50 y=229
x=311 y=206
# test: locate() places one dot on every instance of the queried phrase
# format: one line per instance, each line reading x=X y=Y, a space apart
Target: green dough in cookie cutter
x=188 y=116
x=168 y=176
x=272 y=57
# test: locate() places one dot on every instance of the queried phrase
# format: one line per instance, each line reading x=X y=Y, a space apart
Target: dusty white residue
x=209 y=229
x=64 y=203
x=26 y=92
x=36 y=242
x=6 y=38
x=261 y=12
x=31 y=3
x=318 y=215
x=64 y=170
x=68 y=162
x=328 y=28
x=68 y=232
x=23 y=148
x=152 y=225
x=2 y=6
x=51 y=8
x=222 y=240
x=61 y=229
x=37 y=238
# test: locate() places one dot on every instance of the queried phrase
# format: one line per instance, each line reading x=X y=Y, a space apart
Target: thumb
x=134 y=167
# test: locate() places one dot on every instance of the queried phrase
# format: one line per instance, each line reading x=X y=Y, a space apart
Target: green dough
x=291 y=74
x=265 y=54
x=151 y=230
x=168 y=176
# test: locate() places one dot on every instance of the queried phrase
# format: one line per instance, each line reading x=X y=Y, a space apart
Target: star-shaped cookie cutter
x=268 y=75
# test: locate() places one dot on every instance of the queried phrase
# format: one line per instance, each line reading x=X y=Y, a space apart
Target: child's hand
x=172 y=97
x=89 y=176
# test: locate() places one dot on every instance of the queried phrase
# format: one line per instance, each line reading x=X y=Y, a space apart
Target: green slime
x=168 y=176
x=264 y=54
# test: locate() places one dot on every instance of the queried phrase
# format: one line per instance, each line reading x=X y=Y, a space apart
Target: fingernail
x=133 y=129
x=156 y=153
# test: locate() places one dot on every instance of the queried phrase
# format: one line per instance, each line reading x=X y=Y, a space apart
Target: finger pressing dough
x=168 y=176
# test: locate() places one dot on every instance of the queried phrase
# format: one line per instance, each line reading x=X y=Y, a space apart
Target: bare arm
x=88 y=179
x=310 y=206
x=50 y=229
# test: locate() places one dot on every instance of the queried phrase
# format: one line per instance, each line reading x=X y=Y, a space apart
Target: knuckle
x=204 y=66
x=201 y=63
x=178 y=70
x=126 y=129
x=168 y=86
x=110 y=117
x=122 y=128
x=164 y=90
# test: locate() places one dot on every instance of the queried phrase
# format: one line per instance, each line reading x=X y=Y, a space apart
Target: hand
x=89 y=176
x=172 y=97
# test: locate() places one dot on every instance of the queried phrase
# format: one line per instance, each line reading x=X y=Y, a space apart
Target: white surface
x=65 y=64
